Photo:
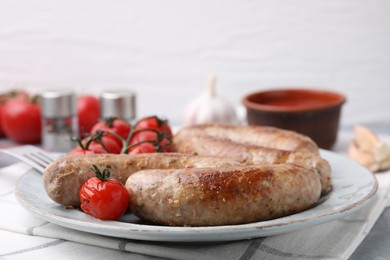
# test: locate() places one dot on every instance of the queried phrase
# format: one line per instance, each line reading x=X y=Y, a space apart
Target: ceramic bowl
x=315 y=113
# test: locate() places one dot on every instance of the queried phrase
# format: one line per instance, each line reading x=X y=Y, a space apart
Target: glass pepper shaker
x=118 y=103
x=59 y=120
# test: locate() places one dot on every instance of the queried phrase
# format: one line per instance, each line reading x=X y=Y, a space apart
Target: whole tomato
x=88 y=112
x=102 y=197
x=153 y=122
x=113 y=125
x=2 y=134
x=21 y=120
x=4 y=97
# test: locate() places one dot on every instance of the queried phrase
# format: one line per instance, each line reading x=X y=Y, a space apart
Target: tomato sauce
x=293 y=102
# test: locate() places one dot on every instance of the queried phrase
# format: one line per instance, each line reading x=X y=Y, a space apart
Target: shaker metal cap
x=118 y=103
x=58 y=103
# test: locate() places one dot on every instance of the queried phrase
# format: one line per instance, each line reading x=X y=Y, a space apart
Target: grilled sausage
x=250 y=154
x=64 y=177
x=207 y=197
x=264 y=136
x=260 y=173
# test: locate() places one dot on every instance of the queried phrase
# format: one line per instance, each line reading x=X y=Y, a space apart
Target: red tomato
x=156 y=123
x=97 y=143
x=21 y=120
x=167 y=146
x=2 y=134
x=79 y=150
x=147 y=147
x=106 y=142
x=114 y=125
x=102 y=197
x=4 y=97
x=140 y=136
x=88 y=111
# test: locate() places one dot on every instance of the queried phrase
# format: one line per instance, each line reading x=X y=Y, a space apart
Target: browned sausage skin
x=64 y=177
x=249 y=154
x=264 y=136
x=204 y=197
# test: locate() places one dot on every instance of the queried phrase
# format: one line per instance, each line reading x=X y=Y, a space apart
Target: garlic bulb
x=209 y=108
x=368 y=150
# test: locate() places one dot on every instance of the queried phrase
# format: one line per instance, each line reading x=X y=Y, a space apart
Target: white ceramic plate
x=353 y=186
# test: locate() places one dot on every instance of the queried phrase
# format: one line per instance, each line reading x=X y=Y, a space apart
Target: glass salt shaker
x=59 y=120
x=118 y=103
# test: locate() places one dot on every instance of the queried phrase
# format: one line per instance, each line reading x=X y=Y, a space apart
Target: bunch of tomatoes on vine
x=113 y=135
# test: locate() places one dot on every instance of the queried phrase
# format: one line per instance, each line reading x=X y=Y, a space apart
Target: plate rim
x=194 y=234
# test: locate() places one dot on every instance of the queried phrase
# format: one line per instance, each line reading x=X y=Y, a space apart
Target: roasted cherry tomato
x=156 y=123
x=115 y=126
x=143 y=135
x=21 y=120
x=88 y=111
x=102 y=197
x=162 y=139
x=107 y=144
x=97 y=143
x=79 y=150
x=167 y=146
x=144 y=147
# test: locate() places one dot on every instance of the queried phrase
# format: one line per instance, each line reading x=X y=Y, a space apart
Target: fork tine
x=31 y=155
x=43 y=157
x=38 y=164
x=39 y=159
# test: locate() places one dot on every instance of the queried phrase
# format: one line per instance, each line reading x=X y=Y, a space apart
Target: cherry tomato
x=21 y=120
x=114 y=125
x=97 y=143
x=145 y=134
x=106 y=143
x=167 y=146
x=140 y=136
x=156 y=123
x=102 y=197
x=146 y=147
x=88 y=111
x=79 y=150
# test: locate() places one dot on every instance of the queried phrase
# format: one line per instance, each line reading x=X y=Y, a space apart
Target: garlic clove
x=382 y=155
x=368 y=150
x=365 y=137
x=209 y=108
x=362 y=156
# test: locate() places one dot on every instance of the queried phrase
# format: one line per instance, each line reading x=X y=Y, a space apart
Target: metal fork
x=32 y=155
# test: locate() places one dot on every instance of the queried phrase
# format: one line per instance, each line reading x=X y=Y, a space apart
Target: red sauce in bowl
x=293 y=100
x=314 y=113
x=293 y=103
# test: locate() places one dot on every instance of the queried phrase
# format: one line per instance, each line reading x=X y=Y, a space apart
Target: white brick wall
x=164 y=50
